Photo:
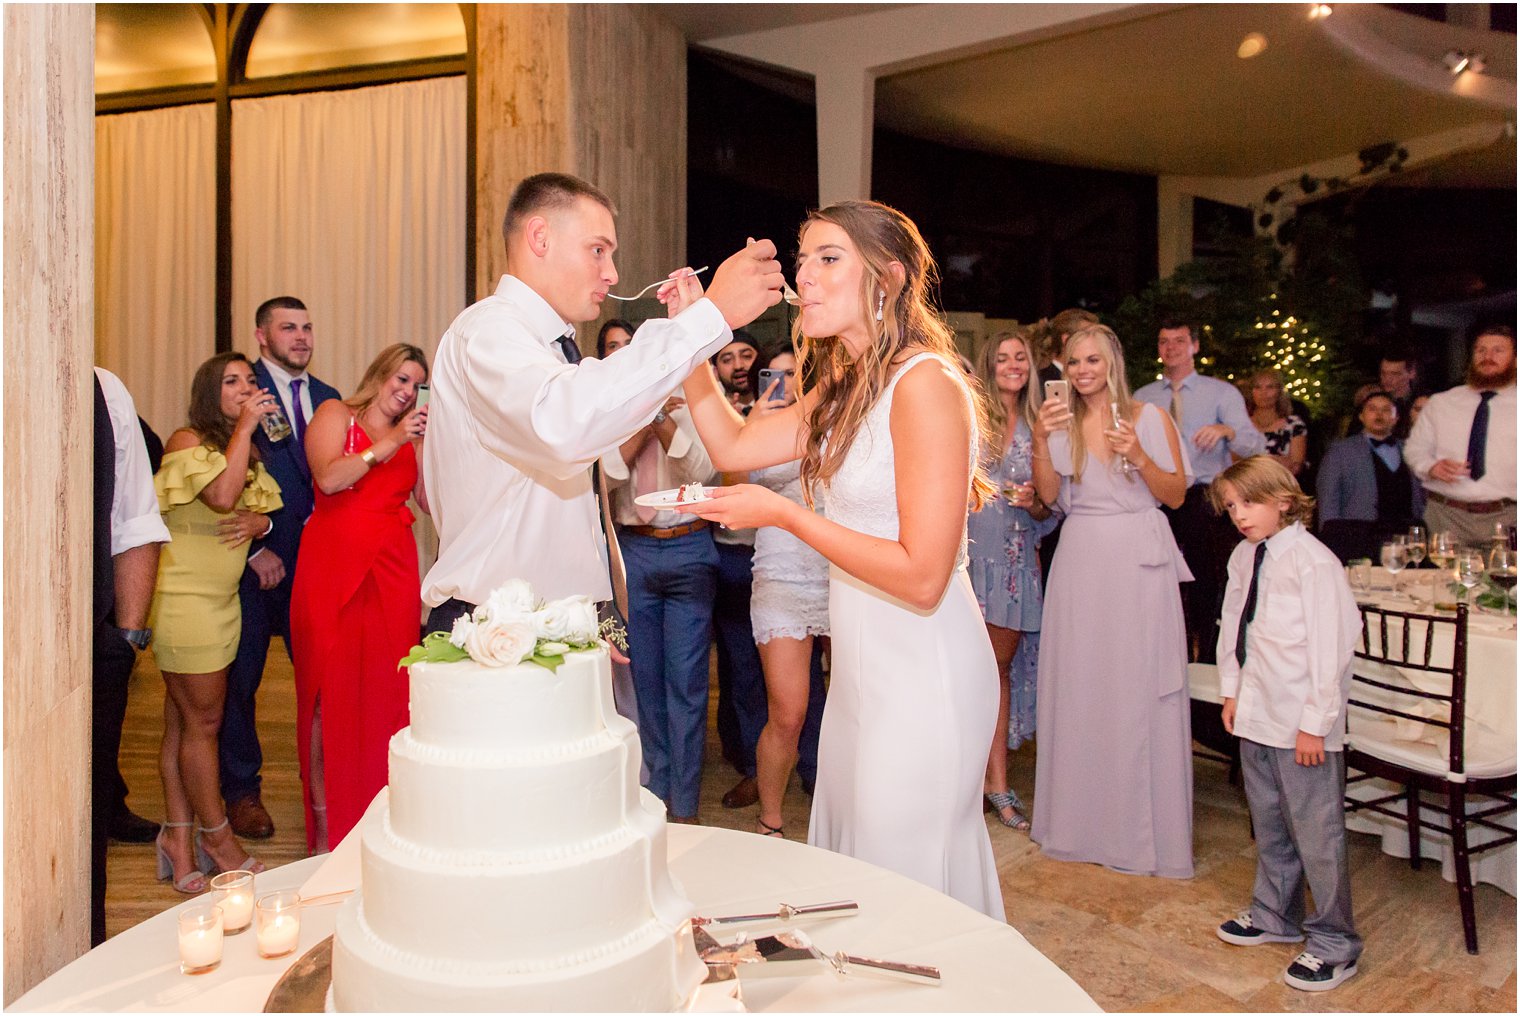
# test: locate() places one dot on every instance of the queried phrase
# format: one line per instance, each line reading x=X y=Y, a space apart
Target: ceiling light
x=1251 y=45
x=1318 y=11
x=1456 y=61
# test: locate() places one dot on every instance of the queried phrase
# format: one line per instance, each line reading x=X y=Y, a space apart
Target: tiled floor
x=1133 y=943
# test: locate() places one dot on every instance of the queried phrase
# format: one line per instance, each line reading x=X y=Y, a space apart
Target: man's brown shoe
x=249 y=819
x=744 y=793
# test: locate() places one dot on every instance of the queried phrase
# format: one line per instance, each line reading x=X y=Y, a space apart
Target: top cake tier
x=466 y=705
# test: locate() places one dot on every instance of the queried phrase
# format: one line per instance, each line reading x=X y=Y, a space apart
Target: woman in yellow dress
x=213 y=495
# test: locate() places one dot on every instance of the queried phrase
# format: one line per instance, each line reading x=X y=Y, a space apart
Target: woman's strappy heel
x=764 y=828
x=195 y=882
x=249 y=862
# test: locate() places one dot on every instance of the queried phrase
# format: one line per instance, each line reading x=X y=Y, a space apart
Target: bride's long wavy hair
x=905 y=324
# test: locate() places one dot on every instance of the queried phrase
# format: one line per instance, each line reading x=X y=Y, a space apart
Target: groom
x=517 y=417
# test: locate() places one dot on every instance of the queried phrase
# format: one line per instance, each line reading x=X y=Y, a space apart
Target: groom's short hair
x=544 y=192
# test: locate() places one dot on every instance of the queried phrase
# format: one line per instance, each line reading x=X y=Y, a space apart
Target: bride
x=889 y=438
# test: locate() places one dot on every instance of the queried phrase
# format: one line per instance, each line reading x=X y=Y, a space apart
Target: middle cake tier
x=512 y=801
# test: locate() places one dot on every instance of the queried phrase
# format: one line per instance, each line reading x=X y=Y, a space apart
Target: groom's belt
x=695 y=526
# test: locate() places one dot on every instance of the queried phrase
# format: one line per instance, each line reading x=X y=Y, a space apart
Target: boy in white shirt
x=1286 y=635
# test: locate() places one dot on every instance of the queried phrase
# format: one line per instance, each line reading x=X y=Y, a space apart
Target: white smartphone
x=1060 y=389
x=424 y=393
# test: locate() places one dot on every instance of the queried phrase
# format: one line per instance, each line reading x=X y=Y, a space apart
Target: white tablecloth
x=1491 y=703
x=986 y=965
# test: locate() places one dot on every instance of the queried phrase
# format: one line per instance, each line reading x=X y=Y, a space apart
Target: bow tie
x=1384 y=442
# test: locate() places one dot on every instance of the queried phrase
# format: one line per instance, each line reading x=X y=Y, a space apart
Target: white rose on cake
x=497 y=644
x=552 y=621
x=512 y=601
x=584 y=625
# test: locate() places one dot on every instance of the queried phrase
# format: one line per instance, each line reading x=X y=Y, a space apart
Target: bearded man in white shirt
x=1462 y=448
x=517 y=418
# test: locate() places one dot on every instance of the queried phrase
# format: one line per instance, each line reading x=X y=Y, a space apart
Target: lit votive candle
x=200 y=939
x=278 y=920
x=236 y=895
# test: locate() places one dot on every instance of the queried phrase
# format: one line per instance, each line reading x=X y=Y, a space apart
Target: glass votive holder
x=200 y=939
x=235 y=895
x=277 y=919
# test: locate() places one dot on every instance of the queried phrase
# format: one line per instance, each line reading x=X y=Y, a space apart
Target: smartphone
x=766 y=377
x=424 y=393
x=1057 y=390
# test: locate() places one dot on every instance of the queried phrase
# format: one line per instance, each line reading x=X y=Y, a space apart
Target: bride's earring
x=881 y=301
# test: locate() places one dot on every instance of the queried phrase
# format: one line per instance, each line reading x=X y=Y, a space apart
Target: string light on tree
x=1293 y=348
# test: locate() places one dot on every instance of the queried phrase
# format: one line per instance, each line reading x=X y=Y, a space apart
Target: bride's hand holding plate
x=742 y=506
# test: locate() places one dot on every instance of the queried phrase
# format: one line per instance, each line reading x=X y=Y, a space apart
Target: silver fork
x=655 y=285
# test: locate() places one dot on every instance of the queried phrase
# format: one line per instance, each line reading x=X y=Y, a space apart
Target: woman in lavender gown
x=1113 y=779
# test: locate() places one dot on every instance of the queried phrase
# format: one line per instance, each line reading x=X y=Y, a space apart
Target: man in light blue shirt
x=1212 y=416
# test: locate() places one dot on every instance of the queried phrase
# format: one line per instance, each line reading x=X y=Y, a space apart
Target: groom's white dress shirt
x=513 y=430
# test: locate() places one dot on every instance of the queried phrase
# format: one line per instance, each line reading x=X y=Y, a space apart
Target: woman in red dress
x=356 y=605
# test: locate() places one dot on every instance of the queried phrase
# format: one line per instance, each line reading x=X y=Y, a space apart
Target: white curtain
x=155 y=254
x=352 y=201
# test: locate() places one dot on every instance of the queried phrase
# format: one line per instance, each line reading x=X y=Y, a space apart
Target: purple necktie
x=297 y=414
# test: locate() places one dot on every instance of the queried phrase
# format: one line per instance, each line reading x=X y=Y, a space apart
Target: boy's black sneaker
x=1310 y=973
x=1241 y=931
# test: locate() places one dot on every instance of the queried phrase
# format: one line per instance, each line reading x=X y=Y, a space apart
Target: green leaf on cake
x=550 y=663
x=435 y=648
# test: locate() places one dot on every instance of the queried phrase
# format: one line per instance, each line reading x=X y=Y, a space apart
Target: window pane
x=312 y=37
x=151 y=46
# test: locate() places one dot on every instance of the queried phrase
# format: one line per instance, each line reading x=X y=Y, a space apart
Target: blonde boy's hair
x=1261 y=479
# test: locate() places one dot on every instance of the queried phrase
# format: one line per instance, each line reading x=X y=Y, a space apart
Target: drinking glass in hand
x=1501 y=572
x=276 y=424
x=1469 y=569
x=1016 y=475
x=1415 y=541
x=1394 y=556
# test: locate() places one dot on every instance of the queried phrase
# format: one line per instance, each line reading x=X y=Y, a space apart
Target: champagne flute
x=1501 y=572
x=1125 y=464
x=1415 y=541
x=1469 y=570
x=1394 y=556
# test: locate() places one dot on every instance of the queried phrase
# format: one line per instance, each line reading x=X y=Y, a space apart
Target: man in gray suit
x=1366 y=492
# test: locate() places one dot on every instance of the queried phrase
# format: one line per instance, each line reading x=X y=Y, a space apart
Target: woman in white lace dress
x=889 y=437
x=789 y=608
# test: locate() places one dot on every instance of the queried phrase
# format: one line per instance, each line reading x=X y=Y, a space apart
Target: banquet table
x=986 y=965
x=1490 y=713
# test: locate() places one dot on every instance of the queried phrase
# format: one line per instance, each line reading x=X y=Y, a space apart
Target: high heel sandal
x=248 y=863
x=766 y=829
x=1008 y=799
x=192 y=884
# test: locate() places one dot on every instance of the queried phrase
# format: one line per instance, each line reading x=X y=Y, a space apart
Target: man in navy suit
x=284 y=333
x=1366 y=492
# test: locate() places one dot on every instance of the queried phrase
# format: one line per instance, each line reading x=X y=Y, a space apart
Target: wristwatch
x=138 y=637
x=661 y=416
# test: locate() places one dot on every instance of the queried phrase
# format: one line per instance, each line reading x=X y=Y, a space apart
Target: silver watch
x=661 y=416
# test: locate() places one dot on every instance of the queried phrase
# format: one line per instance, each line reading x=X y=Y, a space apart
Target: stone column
x=49 y=256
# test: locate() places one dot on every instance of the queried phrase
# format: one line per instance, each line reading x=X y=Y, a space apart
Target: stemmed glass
x=1124 y=464
x=1395 y=555
x=1501 y=572
x=1469 y=570
x=1415 y=541
x=1016 y=473
x=1443 y=550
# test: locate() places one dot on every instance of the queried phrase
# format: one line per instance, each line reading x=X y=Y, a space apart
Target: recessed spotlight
x=1456 y=61
x=1251 y=45
x=1319 y=11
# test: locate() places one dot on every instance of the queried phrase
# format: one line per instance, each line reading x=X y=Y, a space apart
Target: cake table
x=986 y=965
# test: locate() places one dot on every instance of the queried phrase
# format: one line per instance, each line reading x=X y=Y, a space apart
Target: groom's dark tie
x=568 y=348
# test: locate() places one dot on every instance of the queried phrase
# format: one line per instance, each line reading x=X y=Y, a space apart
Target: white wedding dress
x=912 y=702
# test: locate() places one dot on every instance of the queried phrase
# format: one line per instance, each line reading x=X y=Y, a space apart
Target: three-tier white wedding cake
x=515 y=864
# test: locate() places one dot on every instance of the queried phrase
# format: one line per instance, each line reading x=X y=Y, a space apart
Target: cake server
x=788 y=953
x=788 y=913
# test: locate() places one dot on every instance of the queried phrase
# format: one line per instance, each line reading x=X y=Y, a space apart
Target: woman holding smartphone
x=1113 y=777
x=356 y=603
x=789 y=608
x=1005 y=561
x=889 y=437
x=210 y=476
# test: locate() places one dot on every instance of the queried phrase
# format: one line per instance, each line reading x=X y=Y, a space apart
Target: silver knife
x=791 y=954
x=787 y=913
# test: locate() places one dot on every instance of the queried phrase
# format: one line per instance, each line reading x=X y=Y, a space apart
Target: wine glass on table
x=1501 y=572
x=1416 y=542
x=1443 y=550
x=1470 y=567
x=1394 y=556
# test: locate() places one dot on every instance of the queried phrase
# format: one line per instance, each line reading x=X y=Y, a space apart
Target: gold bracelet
x=1034 y=455
x=368 y=455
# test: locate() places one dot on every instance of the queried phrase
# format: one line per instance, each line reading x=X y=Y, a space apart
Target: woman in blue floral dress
x=1004 y=558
